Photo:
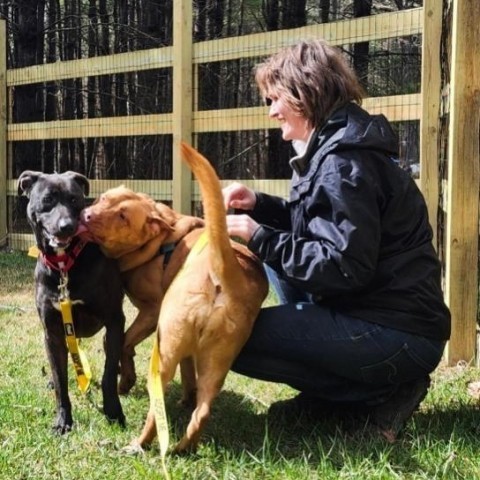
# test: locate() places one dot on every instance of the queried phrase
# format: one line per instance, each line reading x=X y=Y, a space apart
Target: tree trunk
x=271 y=14
x=68 y=52
x=279 y=151
x=51 y=89
x=92 y=40
x=120 y=45
x=294 y=14
x=154 y=88
x=28 y=103
x=212 y=78
x=324 y=6
x=361 y=8
x=105 y=155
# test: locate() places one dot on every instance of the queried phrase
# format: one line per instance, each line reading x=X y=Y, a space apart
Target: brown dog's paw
x=188 y=400
x=126 y=384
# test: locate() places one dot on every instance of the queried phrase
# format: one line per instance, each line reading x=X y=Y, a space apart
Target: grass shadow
x=334 y=439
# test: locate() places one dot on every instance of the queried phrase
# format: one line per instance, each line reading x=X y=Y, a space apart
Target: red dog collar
x=64 y=262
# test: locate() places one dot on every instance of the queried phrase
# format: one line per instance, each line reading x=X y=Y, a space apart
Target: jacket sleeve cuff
x=258 y=241
x=271 y=210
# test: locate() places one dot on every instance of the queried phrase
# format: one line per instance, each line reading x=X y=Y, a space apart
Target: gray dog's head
x=54 y=205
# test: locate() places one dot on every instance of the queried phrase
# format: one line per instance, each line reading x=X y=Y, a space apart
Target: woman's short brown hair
x=313 y=77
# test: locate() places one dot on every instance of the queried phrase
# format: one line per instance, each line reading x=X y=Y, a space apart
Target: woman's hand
x=239 y=196
x=241 y=226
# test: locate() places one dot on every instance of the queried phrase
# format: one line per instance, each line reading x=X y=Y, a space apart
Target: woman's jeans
x=339 y=358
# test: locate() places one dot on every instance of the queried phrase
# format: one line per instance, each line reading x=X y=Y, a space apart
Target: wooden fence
x=460 y=193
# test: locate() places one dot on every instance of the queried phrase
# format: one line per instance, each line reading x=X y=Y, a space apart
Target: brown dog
x=131 y=228
x=208 y=310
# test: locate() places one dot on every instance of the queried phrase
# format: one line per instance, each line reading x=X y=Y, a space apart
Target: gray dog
x=93 y=283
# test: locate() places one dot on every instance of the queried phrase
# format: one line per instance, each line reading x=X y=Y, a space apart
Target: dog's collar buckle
x=63 y=286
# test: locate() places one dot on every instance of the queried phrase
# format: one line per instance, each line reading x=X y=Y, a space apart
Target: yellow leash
x=155 y=387
x=157 y=402
x=198 y=246
x=79 y=359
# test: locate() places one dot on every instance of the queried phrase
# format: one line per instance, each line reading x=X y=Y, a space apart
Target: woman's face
x=294 y=126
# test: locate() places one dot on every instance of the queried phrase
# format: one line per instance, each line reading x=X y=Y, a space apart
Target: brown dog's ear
x=156 y=224
x=26 y=181
x=82 y=180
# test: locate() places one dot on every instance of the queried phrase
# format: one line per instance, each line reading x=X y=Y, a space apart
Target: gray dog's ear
x=26 y=181
x=82 y=180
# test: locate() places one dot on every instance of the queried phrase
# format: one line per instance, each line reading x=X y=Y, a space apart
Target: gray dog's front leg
x=113 y=349
x=58 y=357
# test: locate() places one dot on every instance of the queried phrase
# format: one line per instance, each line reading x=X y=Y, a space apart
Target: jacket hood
x=349 y=127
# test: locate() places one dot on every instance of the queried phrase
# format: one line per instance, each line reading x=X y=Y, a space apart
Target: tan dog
x=131 y=228
x=208 y=310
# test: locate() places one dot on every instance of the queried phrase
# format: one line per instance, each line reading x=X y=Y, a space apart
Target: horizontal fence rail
x=396 y=108
x=377 y=27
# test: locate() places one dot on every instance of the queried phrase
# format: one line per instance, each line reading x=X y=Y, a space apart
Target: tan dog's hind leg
x=213 y=367
x=199 y=418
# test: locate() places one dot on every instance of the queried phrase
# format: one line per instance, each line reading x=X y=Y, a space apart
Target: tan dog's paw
x=134 y=448
x=184 y=447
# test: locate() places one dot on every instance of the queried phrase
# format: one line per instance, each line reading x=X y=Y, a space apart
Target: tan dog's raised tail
x=208 y=310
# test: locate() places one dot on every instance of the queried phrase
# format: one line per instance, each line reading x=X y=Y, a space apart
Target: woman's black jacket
x=355 y=231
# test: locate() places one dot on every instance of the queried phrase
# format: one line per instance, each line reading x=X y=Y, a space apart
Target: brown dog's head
x=122 y=220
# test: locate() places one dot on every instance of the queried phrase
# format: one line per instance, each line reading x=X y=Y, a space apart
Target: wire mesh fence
x=94 y=89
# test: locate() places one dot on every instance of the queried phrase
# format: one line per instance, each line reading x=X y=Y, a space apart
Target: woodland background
x=46 y=31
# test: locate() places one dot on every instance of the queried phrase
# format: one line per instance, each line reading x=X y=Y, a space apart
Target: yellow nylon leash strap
x=33 y=251
x=198 y=246
x=155 y=390
x=80 y=362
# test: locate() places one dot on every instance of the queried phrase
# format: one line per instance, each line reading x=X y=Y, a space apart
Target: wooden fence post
x=3 y=132
x=463 y=180
x=429 y=121
x=182 y=102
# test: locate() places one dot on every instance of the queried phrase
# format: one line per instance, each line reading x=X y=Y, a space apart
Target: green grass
x=240 y=441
